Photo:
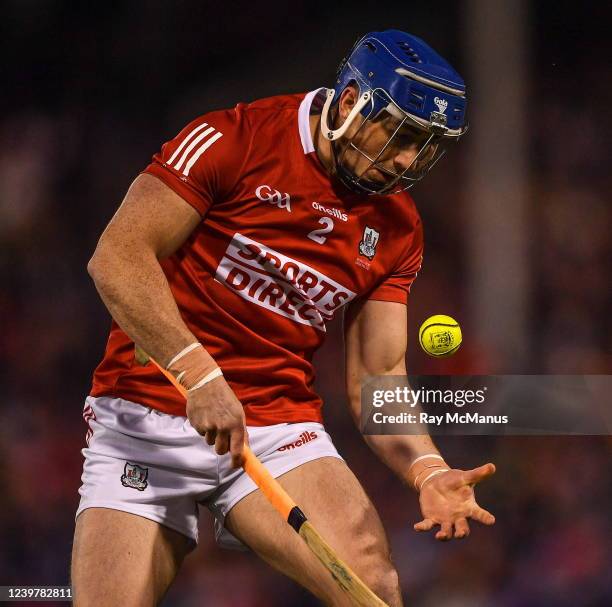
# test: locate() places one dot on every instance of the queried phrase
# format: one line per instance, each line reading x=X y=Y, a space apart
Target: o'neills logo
x=333 y=211
x=281 y=284
x=305 y=437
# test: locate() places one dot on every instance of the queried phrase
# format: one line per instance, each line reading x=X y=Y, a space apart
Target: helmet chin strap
x=334 y=134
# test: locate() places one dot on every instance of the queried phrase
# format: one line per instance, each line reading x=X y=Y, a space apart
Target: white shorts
x=155 y=465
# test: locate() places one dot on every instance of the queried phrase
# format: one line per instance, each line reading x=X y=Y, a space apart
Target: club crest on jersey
x=135 y=476
x=367 y=246
x=267 y=194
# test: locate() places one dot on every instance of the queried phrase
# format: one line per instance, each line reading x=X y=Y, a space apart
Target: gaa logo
x=268 y=194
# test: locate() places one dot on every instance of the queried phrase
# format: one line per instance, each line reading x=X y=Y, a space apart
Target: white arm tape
x=207 y=378
x=183 y=352
x=441 y=471
x=418 y=459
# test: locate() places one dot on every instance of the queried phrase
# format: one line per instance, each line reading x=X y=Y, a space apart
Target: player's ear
x=347 y=100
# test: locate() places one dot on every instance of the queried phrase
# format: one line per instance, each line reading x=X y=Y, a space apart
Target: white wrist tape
x=183 y=352
x=418 y=459
x=207 y=378
x=431 y=475
x=424 y=471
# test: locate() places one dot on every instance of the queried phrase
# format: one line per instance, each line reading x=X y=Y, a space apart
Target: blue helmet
x=398 y=74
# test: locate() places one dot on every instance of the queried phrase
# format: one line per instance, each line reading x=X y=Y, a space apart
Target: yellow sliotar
x=440 y=335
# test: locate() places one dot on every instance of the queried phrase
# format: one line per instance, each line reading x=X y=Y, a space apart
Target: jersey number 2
x=317 y=235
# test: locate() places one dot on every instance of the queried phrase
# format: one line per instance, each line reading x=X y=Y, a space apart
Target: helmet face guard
x=407 y=87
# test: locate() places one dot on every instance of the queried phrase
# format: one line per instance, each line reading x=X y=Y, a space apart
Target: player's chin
x=374 y=175
x=374 y=179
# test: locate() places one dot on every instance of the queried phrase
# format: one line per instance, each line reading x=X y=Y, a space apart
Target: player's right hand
x=216 y=413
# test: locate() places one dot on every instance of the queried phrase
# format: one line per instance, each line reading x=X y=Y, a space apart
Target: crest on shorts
x=367 y=246
x=135 y=476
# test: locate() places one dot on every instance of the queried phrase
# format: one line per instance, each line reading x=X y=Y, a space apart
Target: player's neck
x=321 y=145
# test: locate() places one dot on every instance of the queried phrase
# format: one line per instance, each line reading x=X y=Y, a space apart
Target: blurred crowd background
x=91 y=90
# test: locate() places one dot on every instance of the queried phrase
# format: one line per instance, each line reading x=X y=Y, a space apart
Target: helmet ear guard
x=334 y=134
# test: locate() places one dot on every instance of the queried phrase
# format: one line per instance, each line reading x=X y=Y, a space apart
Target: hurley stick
x=343 y=575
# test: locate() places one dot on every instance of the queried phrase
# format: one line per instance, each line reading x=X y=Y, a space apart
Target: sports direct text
x=408 y=396
x=279 y=283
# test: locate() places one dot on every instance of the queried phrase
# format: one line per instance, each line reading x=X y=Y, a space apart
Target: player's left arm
x=375 y=342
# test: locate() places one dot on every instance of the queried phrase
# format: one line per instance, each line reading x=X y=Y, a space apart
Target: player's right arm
x=152 y=222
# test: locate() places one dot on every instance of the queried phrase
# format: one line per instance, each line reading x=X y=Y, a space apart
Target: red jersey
x=280 y=249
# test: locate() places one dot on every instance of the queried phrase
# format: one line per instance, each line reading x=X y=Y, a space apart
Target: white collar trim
x=304 y=121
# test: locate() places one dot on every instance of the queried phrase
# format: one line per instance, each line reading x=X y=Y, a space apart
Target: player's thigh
x=123 y=559
x=334 y=501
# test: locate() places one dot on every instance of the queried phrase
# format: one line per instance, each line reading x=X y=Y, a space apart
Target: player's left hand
x=448 y=500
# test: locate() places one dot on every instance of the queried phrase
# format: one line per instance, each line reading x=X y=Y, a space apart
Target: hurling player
x=248 y=232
